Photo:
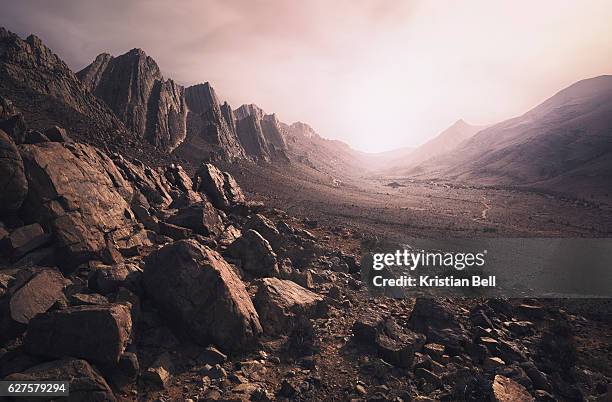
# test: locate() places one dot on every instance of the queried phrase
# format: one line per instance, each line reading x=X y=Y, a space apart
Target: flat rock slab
x=96 y=333
x=507 y=390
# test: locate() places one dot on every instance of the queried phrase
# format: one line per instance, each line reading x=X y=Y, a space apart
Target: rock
x=85 y=382
x=151 y=183
x=279 y=301
x=266 y=229
x=195 y=288
x=367 y=327
x=201 y=218
x=13 y=183
x=493 y=362
x=57 y=134
x=434 y=350
x=127 y=370
x=429 y=377
x=221 y=188
x=25 y=239
x=159 y=374
x=174 y=231
x=437 y=320
x=109 y=279
x=397 y=345
x=212 y=355
x=85 y=299
x=77 y=191
x=96 y=333
x=37 y=295
x=507 y=390
x=255 y=253
x=531 y=311
x=141 y=208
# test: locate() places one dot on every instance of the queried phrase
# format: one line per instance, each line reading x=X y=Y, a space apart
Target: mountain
x=48 y=93
x=133 y=87
x=563 y=144
x=190 y=121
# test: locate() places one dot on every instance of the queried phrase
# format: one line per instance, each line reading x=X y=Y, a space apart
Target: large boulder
x=279 y=302
x=97 y=333
x=78 y=192
x=13 y=183
x=220 y=187
x=197 y=289
x=255 y=254
x=202 y=218
x=85 y=383
x=25 y=239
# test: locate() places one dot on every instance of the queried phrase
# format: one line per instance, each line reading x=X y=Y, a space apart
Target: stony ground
x=142 y=283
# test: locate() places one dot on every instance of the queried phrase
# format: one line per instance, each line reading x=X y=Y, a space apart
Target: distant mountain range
x=124 y=103
x=563 y=144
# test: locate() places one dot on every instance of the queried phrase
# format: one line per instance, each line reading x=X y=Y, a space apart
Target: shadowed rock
x=255 y=253
x=196 y=289
x=85 y=382
x=13 y=183
x=96 y=333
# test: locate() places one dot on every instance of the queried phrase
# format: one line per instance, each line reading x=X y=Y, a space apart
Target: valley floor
x=393 y=209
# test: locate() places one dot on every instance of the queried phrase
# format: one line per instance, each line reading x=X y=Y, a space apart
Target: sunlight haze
x=376 y=74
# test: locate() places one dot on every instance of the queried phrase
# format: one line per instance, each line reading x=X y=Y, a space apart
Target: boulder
x=96 y=333
x=25 y=239
x=202 y=218
x=266 y=229
x=506 y=390
x=279 y=302
x=398 y=345
x=13 y=183
x=158 y=375
x=150 y=182
x=78 y=192
x=37 y=295
x=255 y=254
x=85 y=382
x=197 y=289
x=174 y=231
x=220 y=187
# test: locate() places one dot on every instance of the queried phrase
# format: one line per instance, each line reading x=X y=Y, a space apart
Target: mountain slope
x=564 y=144
x=48 y=93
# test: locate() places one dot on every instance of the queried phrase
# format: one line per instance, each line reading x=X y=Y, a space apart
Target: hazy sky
x=377 y=74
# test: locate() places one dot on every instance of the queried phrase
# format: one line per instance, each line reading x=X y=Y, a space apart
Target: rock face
x=95 y=333
x=279 y=302
x=44 y=89
x=251 y=137
x=133 y=87
x=255 y=253
x=78 y=192
x=85 y=383
x=13 y=183
x=209 y=131
x=219 y=186
x=194 y=287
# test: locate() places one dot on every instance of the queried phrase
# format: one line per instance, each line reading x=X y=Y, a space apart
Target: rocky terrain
x=140 y=274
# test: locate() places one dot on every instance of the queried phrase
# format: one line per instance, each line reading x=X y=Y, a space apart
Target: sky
x=377 y=74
